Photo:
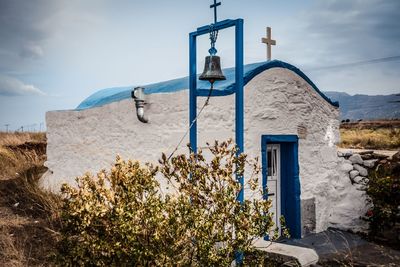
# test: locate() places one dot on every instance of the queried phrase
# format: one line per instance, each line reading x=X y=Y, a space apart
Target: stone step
x=299 y=255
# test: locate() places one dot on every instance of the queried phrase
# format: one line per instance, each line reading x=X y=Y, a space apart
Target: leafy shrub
x=384 y=193
x=124 y=217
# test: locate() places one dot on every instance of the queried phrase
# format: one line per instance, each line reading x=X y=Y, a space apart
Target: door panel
x=274 y=182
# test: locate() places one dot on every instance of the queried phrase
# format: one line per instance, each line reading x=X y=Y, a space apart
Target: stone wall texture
x=277 y=101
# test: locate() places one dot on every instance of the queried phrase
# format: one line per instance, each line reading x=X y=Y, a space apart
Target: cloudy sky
x=53 y=54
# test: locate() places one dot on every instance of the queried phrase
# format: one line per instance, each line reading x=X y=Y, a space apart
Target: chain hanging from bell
x=212 y=68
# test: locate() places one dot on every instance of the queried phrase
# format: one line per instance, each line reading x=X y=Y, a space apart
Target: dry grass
x=379 y=138
x=8 y=252
x=21 y=151
x=30 y=224
x=18 y=138
x=29 y=215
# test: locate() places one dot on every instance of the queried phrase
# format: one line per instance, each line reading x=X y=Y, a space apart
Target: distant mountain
x=366 y=107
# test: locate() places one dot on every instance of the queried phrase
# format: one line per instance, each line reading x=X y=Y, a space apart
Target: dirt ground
x=372 y=124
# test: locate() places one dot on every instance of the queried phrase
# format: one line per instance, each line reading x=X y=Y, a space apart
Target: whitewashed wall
x=276 y=102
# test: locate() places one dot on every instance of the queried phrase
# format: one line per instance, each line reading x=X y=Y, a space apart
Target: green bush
x=383 y=189
x=124 y=217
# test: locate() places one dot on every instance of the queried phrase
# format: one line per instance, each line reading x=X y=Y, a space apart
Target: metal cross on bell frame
x=212 y=67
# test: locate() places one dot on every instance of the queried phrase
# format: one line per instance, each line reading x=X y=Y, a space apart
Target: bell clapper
x=209 y=94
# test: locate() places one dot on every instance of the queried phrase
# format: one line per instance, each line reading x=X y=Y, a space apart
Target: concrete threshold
x=290 y=254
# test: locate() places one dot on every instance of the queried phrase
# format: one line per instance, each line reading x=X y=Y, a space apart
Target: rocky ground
x=338 y=248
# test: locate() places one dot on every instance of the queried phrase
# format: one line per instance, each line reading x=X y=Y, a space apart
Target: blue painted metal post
x=239 y=83
x=239 y=96
x=193 y=91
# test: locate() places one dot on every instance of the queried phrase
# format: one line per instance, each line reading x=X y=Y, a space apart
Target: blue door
x=289 y=183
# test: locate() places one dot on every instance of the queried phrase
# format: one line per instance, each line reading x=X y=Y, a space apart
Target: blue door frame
x=194 y=92
x=290 y=182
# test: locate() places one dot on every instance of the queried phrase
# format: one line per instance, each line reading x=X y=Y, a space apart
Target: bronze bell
x=212 y=70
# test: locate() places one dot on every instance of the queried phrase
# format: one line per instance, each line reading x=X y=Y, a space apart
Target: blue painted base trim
x=290 y=181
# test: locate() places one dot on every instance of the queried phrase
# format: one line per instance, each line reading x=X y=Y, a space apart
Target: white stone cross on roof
x=269 y=42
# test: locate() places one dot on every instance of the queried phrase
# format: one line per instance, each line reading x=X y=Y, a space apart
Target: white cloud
x=10 y=86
